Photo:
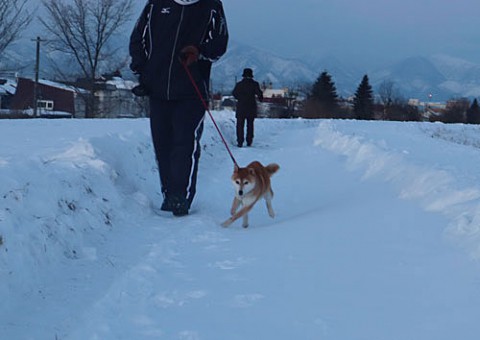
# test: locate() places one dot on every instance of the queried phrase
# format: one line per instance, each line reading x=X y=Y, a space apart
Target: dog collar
x=185 y=2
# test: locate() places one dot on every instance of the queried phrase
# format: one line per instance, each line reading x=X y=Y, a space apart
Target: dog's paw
x=271 y=213
x=245 y=225
x=227 y=223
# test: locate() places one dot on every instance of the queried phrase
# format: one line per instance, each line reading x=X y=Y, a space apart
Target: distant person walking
x=246 y=92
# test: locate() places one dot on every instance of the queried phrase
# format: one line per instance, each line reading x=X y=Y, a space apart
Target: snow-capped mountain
x=267 y=67
x=463 y=76
x=414 y=77
x=444 y=77
x=280 y=72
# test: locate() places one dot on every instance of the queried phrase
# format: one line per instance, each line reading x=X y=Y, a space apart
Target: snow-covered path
x=345 y=258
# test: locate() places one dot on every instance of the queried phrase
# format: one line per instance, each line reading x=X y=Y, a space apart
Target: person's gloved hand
x=140 y=90
x=189 y=54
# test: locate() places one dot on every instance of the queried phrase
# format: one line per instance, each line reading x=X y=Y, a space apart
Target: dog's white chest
x=247 y=200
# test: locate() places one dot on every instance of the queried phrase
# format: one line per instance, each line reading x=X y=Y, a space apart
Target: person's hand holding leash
x=189 y=54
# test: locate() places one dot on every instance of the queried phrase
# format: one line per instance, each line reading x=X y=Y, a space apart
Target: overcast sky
x=366 y=31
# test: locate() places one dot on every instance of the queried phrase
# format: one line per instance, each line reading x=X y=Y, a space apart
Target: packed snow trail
x=345 y=257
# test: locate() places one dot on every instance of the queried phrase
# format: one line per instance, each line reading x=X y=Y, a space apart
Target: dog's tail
x=272 y=168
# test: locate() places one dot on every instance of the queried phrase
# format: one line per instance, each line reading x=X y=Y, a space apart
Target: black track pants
x=241 y=129
x=176 y=128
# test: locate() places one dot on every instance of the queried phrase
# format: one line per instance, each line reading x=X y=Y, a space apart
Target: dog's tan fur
x=251 y=184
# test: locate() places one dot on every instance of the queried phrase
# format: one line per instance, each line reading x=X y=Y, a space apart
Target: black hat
x=247 y=73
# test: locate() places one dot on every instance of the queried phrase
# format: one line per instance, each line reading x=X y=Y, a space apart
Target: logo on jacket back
x=165 y=10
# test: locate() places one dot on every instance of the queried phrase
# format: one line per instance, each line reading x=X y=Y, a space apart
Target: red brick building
x=52 y=97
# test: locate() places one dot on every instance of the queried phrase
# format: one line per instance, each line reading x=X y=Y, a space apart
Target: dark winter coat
x=246 y=91
x=163 y=29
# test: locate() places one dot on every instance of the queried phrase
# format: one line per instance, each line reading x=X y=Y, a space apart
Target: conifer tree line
x=324 y=102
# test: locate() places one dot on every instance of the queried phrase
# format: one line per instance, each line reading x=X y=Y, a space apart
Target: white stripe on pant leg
x=193 y=156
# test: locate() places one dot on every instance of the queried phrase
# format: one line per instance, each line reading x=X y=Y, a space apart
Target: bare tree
x=82 y=30
x=14 y=19
x=395 y=107
x=386 y=92
x=388 y=96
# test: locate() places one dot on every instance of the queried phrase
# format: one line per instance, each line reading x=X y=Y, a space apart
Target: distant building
x=7 y=90
x=116 y=100
x=114 y=97
x=279 y=103
x=54 y=99
x=228 y=103
x=428 y=109
x=269 y=95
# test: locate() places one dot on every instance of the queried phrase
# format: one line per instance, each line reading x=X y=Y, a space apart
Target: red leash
x=199 y=94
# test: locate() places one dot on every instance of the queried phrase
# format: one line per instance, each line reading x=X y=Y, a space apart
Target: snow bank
x=437 y=189
x=65 y=190
x=54 y=206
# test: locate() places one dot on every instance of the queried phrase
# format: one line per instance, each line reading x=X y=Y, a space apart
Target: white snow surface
x=376 y=234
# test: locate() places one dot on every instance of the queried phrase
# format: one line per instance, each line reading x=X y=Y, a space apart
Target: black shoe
x=249 y=144
x=167 y=205
x=239 y=145
x=180 y=206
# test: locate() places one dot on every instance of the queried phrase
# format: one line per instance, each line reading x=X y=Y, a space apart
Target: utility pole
x=35 y=85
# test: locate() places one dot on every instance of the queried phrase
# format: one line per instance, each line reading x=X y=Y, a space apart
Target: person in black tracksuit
x=246 y=91
x=167 y=34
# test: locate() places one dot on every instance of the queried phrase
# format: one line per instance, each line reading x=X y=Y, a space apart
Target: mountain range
x=441 y=76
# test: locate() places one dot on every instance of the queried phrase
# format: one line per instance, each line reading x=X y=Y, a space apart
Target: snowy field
x=377 y=235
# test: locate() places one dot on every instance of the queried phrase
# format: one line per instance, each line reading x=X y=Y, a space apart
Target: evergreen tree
x=363 y=101
x=473 y=113
x=324 y=95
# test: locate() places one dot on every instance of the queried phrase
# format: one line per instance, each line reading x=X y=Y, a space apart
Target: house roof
x=121 y=84
x=7 y=86
x=269 y=93
x=57 y=85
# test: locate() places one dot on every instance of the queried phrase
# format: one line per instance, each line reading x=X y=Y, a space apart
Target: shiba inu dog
x=251 y=184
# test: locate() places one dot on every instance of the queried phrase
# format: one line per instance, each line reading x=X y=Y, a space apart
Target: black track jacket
x=163 y=29
x=246 y=91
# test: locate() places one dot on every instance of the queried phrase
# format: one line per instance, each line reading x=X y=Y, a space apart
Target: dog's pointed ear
x=251 y=171
x=235 y=168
